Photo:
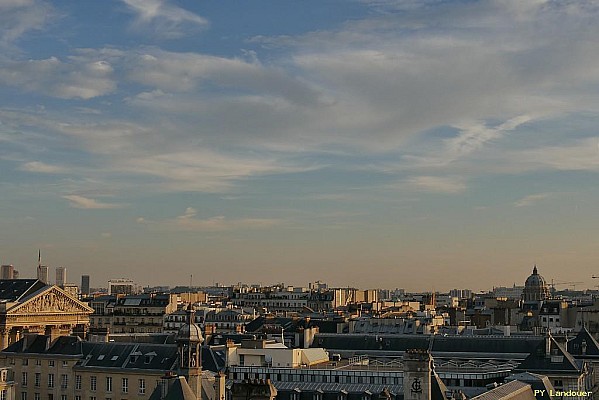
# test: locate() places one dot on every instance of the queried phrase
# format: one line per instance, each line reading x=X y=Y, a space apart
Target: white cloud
x=77 y=78
x=77 y=201
x=20 y=16
x=186 y=72
x=165 y=20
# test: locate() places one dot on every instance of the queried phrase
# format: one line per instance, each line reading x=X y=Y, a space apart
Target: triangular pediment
x=50 y=300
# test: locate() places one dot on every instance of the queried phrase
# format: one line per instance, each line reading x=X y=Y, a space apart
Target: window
x=50 y=363
x=50 y=380
x=25 y=361
x=12 y=361
x=125 y=385
x=77 y=382
x=65 y=363
x=77 y=397
x=64 y=381
x=142 y=386
x=24 y=379
x=3 y=394
x=38 y=362
x=63 y=397
x=93 y=383
x=109 y=383
x=37 y=396
x=38 y=379
x=23 y=395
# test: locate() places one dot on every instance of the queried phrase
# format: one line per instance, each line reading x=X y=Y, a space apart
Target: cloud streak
x=86 y=203
x=189 y=222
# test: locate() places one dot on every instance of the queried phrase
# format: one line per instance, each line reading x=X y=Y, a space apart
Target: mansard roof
x=575 y=347
x=557 y=360
x=42 y=344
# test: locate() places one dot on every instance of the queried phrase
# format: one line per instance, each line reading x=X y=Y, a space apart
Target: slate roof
x=178 y=390
x=440 y=344
x=438 y=388
x=16 y=289
x=538 y=382
x=559 y=360
x=514 y=390
x=574 y=346
x=147 y=356
x=40 y=344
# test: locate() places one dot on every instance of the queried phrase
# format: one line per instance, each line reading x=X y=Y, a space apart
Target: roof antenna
x=39 y=257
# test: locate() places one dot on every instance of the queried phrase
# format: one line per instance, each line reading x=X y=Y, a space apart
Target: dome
x=190 y=331
x=535 y=280
x=535 y=287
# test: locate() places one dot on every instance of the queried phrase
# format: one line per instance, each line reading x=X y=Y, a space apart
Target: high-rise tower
x=42 y=270
x=61 y=276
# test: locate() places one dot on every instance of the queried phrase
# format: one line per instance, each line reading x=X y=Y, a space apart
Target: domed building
x=535 y=288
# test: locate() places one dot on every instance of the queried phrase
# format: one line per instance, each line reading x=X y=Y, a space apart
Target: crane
x=552 y=284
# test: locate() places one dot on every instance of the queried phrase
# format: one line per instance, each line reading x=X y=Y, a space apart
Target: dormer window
x=134 y=356
x=149 y=357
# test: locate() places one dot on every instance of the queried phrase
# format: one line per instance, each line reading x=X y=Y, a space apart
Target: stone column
x=4 y=337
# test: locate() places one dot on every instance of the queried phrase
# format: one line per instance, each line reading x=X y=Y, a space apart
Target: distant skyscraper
x=85 y=285
x=61 y=276
x=42 y=270
x=15 y=274
x=42 y=273
x=7 y=272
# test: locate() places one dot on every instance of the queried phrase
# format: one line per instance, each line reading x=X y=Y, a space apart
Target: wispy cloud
x=439 y=184
x=531 y=200
x=189 y=222
x=42 y=168
x=473 y=137
x=20 y=16
x=76 y=79
x=77 y=201
x=166 y=20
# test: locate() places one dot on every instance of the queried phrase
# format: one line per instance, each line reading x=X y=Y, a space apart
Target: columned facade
x=30 y=307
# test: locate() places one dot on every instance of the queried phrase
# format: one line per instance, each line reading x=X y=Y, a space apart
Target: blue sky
x=416 y=144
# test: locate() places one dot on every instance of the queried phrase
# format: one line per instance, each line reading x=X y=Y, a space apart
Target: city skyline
x=425 y=145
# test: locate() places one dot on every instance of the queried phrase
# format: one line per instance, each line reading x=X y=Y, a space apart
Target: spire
x=534 y=270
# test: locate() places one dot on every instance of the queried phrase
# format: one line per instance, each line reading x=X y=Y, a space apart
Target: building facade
x=30 y=306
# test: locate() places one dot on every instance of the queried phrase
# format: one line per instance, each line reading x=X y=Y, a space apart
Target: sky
x=424 y=145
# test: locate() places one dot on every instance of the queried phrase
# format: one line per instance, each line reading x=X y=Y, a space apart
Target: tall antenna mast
x=39 y=257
